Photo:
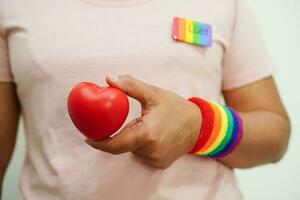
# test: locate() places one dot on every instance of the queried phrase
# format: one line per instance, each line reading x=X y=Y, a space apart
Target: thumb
x=133 y=87
x=128 y=139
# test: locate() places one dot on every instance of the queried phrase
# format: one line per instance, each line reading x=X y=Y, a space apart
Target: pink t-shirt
x=48 y=46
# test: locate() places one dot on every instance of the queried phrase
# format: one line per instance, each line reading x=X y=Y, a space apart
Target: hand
x=167 y=129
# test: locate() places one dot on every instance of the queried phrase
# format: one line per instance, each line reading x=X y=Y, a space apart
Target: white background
x=279 y=21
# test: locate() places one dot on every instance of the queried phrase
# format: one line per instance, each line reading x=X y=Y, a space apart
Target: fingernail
x=114 y=78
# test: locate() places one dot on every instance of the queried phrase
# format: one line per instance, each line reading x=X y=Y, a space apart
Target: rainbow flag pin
x=190 y=31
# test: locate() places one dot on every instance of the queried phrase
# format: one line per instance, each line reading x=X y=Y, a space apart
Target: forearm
x=265 y=140
x=9 y=119
x=6 y=148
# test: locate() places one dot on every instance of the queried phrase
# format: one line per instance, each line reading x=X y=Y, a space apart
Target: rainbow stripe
x=190 y=31
x=221 y=134
x=226 y=131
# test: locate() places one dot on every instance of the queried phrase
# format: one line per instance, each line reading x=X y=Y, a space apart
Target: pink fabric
x=5 y=74
x=54 y=44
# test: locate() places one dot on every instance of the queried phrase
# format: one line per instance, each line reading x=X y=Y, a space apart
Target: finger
x=142 y=152
x=139 y=90
x=131 y=123
x=128 y=139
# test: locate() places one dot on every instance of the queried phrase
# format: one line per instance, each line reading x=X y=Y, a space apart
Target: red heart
x=97 y=111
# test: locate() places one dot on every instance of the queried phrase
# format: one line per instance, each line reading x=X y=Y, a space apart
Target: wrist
x=221 y=129
x=196 y=124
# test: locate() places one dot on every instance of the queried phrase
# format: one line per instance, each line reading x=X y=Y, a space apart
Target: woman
x=47 y=47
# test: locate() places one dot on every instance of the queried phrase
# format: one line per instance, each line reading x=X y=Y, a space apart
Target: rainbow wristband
x=221 y=130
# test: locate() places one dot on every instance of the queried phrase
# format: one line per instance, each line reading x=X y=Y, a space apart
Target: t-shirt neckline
x=117 y=3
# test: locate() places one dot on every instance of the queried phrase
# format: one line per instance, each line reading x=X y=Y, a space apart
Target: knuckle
x=158 y=92
x=146 y=136
x=153 y=94
x=155 y=90
x=127 y=77
x=157 y=156
x=129 y=80
x=150 y=137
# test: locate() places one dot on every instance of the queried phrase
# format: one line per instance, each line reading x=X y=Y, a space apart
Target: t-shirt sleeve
x=246 y=59
x=5 y=72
